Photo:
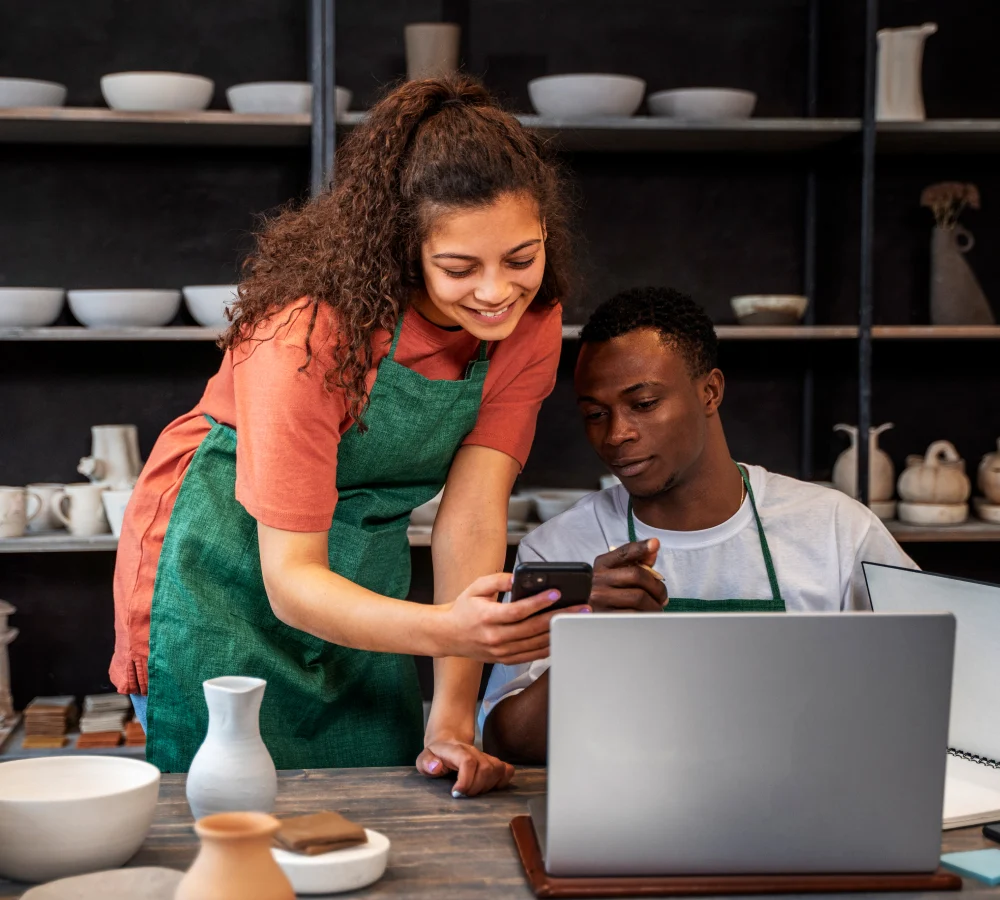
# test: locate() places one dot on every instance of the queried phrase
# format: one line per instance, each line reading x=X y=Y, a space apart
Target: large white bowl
x=208 y=303
x=157 y=91
x=551 y=503
x=30 y=92
x=337 y=871
x=66 y=815
x=769 y=309
x=270 y=97
x=703 y=104
x=586 y=96
x=124 y=309
x=30 y=307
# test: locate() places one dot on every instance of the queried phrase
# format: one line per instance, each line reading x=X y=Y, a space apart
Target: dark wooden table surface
x=441 y=848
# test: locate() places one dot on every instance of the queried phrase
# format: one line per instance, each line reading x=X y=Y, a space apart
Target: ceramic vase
x=7 y=635
x=881 y=474
x=989 y=476
x=937 y=478
x=956 y=295
x=235 y=861
x=900 y=96
x=232 y=770
x=431 y=49
x=114 y=457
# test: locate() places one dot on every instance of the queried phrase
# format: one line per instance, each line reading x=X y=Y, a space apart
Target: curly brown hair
x=428 y=147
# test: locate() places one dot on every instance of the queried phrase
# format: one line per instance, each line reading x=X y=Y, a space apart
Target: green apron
x=687 y=604
x=325 y=705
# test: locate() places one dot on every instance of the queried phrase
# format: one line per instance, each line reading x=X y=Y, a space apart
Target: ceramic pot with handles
x=989 y=475
x=881 y=472
x=936 y=477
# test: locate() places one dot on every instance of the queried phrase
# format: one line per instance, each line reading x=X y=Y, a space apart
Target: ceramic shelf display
x=988 y=478
x=934 y=487
x=232 y=770
x=956 y=295
x=7 y=635
x=900 y=96
x=881 y=473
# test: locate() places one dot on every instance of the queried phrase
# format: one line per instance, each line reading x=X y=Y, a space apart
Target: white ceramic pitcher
x=900 y=95
x=881 y=474
x=114 y=457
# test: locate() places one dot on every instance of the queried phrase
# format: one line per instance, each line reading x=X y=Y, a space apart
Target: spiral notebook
x=972 y=782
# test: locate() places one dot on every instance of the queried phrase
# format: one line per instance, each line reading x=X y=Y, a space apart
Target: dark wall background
x=711 y=225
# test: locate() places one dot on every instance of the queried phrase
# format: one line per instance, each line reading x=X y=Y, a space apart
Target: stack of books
x=134 y=735
x=46 y=721
x=102 y=721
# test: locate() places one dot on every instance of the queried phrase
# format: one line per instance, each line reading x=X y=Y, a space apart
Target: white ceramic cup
x=14 y=515
x=80 y=508
x=45 y=519
x=114 y=508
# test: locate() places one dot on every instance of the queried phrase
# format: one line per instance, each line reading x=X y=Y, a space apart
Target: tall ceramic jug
x=900 y=59
x=956 y=295
x=114 y=457
x=881 y=474
x=235 y=861
x=232 y=770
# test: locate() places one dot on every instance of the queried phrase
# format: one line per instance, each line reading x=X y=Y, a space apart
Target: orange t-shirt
x=289 y=428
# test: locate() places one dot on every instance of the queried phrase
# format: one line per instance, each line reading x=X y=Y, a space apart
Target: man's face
x=643 y=412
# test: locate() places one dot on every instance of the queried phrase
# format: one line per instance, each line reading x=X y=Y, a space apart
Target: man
x=723 y=537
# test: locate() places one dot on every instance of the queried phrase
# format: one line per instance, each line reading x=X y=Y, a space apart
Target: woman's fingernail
x=433 y=766
x=586 y=609
x=553 y=595
x=458 y=795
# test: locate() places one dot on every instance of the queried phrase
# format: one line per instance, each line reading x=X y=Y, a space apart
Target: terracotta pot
x=937 y=477
x=989 y=475
x=235 y=861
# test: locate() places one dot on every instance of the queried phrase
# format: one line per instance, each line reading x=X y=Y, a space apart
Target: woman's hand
x=478 y=772
x=624 y=583
x=476 y=626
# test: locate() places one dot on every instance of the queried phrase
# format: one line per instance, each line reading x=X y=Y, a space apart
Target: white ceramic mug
x=114 y=508
x=14 y=516
x=45 y=518
x=80 y=509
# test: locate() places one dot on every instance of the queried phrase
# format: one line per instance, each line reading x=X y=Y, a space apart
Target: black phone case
x=572 y=580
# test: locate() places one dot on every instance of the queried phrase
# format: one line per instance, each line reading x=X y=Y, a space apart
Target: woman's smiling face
x=482 y=267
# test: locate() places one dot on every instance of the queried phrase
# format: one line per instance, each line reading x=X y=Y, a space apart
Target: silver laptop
x=746 y=743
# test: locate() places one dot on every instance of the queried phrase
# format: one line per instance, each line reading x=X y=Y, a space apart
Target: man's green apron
x=687 y=604
x=325 y=705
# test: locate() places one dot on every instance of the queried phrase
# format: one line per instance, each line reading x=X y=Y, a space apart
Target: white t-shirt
x=818 y=539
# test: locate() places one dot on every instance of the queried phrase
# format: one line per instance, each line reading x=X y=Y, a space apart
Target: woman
x=399 y=331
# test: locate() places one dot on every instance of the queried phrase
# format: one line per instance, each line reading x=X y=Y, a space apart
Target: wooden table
x=441 y=848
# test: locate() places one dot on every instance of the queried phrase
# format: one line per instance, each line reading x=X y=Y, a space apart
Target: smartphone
x=992 y=831
x=572 y=580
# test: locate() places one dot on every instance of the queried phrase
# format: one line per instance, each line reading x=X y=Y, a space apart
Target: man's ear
x=712 y=390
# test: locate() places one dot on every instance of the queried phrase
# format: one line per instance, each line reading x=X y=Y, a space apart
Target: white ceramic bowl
x=114 y=508
x=932 y=513
x=30 y=307
x=769 y=309
x=66 y=815
x=343 y=101
x=270 y=97
x=425 y=514
x=30 y=92
x=519 y=507
x=208 y=303
x=702 y=104
x=338 y=871
x=157 y=91
x=124 y=309
x=551 y=503
x=586 y=96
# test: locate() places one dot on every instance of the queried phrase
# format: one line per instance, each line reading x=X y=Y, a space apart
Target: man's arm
x=517 y=728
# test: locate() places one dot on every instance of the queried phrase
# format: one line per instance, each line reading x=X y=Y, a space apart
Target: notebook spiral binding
x=971 y=757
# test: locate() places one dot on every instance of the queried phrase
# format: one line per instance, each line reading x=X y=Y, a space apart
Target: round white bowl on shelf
x=933 y=513
x=157 y=91
x=586 y=96
x=769 y=309
x=208 y=303
x=519 y=508
x=30 y=307
x=17 y=92
x=551 y=503
x=124 y=308
x=270 y=97
x=337 y=871
x=988 y=512
x=67 y=815
x=702 y=104
x=114 y=508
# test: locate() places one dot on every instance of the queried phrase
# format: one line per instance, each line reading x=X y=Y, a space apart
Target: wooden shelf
x=939 y=136
x=973 y=530
x=215 y=128
x=762 y=332
x=936 y=332
x=76 y=333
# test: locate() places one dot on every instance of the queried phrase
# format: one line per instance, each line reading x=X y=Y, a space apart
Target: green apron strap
x=395 y=337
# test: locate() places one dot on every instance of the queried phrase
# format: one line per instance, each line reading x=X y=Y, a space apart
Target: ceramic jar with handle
x=881 y=472
x=81 y=509
x=45 y=519
x=14 y=510
x=989 y=475
x=937 y=477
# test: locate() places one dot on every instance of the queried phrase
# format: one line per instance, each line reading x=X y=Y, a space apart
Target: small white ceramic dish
x=988 y=512
x=30 y=307
x=15 y=92
x=65 y=815
x=884 y=509
x=270 y=97
x=339 y=871
x=207 y=303
x=933 y=513
x=114 y=508
x=157 y=91
x=586 y=96
x=703 y=104
x=551 y=503
x=519 y=507
x=124 y=308
x=145 y=883
x=769 y=309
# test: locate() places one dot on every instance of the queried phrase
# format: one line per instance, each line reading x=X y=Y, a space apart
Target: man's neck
x=708 y=494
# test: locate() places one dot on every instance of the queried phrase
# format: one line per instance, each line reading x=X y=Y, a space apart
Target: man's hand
x=478 y=772
x=623 y=582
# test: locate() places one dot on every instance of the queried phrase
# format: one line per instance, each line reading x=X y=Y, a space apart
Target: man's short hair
x=683 y=325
